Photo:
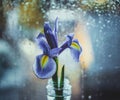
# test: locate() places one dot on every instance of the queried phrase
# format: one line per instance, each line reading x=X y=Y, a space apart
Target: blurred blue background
x=96 y=25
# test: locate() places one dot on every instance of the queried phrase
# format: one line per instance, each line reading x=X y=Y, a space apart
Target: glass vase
x=58 y=93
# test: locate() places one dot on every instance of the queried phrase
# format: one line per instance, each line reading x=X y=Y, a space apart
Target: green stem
x=62 y=83
x=55 y=81
x=55 y=76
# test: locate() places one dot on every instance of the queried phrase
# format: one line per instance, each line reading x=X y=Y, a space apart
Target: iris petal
x=64 y=46
x=56 y=28
x=41 y=41
x=54 y=52
x=75 y=45
x=70 y=38
x=47 y=27
x=67 y=43
x=75 y=49
x=40 y=35
x=44 y=67
x=50 y=36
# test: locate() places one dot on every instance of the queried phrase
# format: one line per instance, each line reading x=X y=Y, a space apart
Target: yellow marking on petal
x=44 y=61
x=75 y=45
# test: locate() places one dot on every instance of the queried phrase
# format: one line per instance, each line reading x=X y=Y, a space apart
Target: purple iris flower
x=45 y=65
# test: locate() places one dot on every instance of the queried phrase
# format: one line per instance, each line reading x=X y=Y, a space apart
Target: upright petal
x=56 y=28
x=51 y=39
x=69 y=38
x=67 y=43
x=75 y=49
x=42 y=43
x=47 y=27
x=44 y=67
x=40 y=37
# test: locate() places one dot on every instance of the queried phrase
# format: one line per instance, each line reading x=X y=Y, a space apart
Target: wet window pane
x=95 y=23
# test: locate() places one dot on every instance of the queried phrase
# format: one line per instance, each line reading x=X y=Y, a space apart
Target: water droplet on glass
x=89 y=97
x=109 y=55
x=108 y=21
x=82 y=96
x=101 y=68
x=37 y=22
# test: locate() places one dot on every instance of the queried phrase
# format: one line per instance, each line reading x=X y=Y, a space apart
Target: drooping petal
x=51 y=39
x=75 y=49
x=44 y=67
x=42 y=43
